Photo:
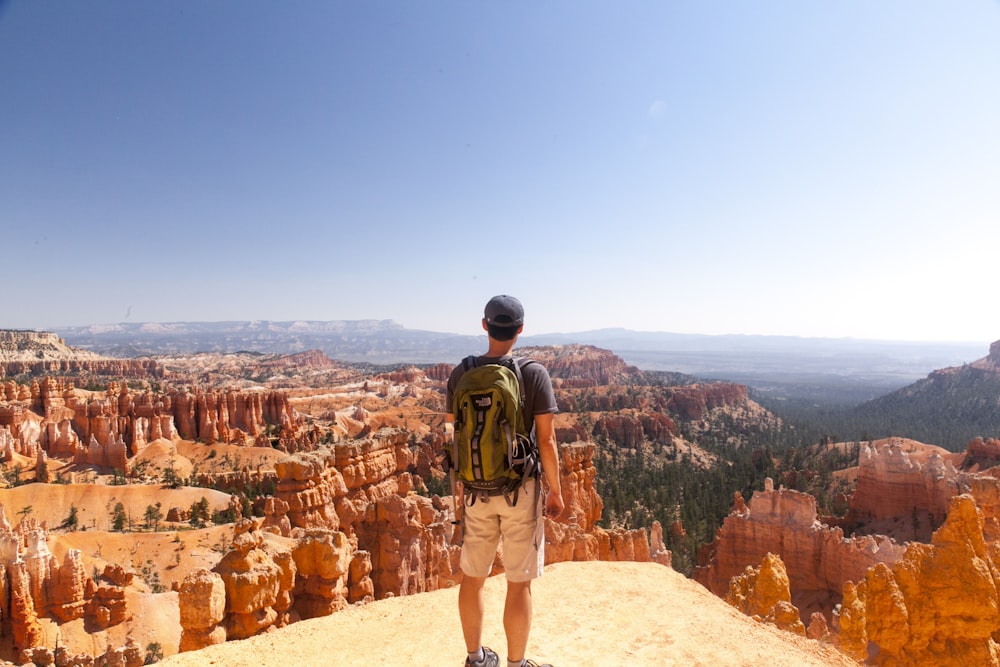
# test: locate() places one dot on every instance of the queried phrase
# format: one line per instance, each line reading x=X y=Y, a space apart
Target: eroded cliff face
x=994 y=355
x=631 y=430
x=692 y=402
x=784 y=522
x=576 y=535
x=905 y=488
x=364 y=489
x=926 y=601
x=108 y=429
x=898 y=479
x=981 y=454
x=582 y=365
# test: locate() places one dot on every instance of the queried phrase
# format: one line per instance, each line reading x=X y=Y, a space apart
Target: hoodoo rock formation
x=266 y=581
x=905 y=488
x=107 y=429
x=818 y=558
x=890 y=604
x=344 y=527
x=34 y=585
x=202 y=601
x=938 y=605
x=898 y=478
x=363 y=488
x=763 y=593
x=257 y=587
x=344 y=510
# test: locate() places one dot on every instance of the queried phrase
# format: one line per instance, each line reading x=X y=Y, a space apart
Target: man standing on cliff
x=519 y=525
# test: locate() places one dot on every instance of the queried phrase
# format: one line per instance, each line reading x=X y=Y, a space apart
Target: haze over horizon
x=822 y=169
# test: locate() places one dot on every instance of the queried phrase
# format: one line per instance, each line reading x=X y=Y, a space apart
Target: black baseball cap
x=504 y=311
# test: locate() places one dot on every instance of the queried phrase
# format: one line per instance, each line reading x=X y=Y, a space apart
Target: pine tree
x=119 y=518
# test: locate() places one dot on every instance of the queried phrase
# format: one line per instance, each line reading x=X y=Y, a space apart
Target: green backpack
x=492 y=451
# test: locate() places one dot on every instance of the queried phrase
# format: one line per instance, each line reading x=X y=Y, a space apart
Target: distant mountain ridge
x=375 y=341
x=949 y=407
x=857 y=370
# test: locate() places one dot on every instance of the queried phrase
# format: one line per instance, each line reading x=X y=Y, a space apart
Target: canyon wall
x=905 y=488
x=818 y=558
x=691 y=402
x=576 y=535
x=928 y=601
x=895 y=483
x=582 y=366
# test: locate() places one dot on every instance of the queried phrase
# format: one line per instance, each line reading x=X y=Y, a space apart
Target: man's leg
x=471 y=608
x=523 y=556
x=517 y=618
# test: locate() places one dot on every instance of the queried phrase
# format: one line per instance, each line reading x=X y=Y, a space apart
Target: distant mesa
x=44 y=353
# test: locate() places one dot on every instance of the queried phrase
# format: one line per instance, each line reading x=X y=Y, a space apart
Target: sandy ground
x=585 y=614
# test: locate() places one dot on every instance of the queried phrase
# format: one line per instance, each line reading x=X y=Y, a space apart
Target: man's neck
x=500 y=348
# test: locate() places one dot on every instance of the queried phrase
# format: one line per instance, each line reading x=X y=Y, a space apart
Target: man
x=520 y=526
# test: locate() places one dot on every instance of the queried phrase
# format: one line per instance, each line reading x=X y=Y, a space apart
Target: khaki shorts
x=518 y=530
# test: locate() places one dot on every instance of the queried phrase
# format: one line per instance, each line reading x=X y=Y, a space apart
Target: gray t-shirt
x=538 y=395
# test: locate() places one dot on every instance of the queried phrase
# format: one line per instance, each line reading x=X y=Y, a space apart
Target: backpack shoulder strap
x=470 y=361
x=515 y=366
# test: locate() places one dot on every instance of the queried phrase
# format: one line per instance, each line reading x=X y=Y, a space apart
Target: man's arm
x=548 y=451
x=457 y=488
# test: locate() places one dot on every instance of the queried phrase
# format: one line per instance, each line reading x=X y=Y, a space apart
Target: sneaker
x=491 y=659
x=532 y=663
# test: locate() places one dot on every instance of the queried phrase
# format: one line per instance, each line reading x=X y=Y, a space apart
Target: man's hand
x=554 y=506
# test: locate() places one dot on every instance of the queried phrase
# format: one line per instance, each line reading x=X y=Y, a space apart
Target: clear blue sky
x=827 y=168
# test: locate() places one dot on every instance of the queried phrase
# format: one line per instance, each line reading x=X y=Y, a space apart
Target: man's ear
x=520 y=329
x=485 y=328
